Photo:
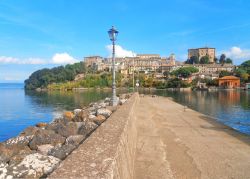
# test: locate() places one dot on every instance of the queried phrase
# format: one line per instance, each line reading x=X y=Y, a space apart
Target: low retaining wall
x=110 y=150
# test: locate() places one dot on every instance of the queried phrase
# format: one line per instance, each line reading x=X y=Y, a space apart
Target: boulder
x=4 y=170
x=76 y=111
x=122 y=101
x=8 y=151
x=74 y=140
x=5 y=153
x=112 y=108
x=34 y=166
x=21 y=140
x=45 y=137
x=91 y=116
x=41 y=124
x=81 y=116
x=107 y=100
x=29 y=131
x=60 y=120
x=104 y=111
x=16 y=159
x=64 y=130
x=61 y=152
x=44 y=149
x=99 y=119
x=87 y=128
x=68 y=115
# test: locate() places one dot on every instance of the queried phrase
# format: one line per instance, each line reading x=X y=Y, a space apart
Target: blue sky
x=45 y=33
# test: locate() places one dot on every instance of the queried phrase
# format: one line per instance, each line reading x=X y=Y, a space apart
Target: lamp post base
x=114 y=101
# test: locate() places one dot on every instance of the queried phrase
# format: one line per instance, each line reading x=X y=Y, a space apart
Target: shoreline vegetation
x=47 y=144
x=78 y=76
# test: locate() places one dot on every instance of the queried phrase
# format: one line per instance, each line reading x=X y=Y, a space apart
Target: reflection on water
x=20 y=109
x=228 y=106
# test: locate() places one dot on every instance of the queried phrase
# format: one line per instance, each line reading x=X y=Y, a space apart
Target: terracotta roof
x=229 y=78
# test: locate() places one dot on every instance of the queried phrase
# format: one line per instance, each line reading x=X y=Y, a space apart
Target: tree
x=184 y=72
x=229 y=60
x=215 y=60
x=194 y=60
x=222 y=59
x=166 y=74
x=224 y=73
x=204 y=60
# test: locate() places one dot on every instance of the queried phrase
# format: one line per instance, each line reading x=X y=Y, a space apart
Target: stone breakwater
x=38 y=150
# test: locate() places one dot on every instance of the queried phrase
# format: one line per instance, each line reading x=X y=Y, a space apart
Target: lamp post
x=112 y=35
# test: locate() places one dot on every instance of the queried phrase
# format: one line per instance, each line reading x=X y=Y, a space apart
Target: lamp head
x=113 y=34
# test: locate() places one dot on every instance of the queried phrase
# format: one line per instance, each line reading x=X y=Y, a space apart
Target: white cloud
x=119 y=51
x=63 y=58
x=58 y=58
x=13 y=60
x=237 y=53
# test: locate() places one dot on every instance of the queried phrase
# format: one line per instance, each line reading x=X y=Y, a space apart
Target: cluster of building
x=154 y=63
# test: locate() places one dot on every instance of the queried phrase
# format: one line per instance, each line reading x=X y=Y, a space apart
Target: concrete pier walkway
x=155 y=138
x=173 y=143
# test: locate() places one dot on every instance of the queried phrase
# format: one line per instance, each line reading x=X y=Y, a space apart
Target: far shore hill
x=179 y=75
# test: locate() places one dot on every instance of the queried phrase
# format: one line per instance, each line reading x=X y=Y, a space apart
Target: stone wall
x=110 y=150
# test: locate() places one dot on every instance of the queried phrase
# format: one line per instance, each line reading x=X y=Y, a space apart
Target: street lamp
x=112 y=35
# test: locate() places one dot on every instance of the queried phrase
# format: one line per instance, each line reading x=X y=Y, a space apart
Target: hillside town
x=160 y=66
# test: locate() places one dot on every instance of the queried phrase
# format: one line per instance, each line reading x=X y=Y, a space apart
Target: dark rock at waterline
x=29 y=131
x=61 y=151
x=66 y=130
x=45 y=137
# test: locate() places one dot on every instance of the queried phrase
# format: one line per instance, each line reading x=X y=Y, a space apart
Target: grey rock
x=104 y=111
x=76 y=111
x=99 y=119
x=74 y=140
x=29 y=131
x=61 y=152
x=45 y=137
x=64 y=130
x=91 y=116
x=62 y=120
x=122 y=101
x=16 y=159
x=87 y=128
x=44 y=149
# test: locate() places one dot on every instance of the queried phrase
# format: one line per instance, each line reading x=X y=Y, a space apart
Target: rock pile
x=38 y=150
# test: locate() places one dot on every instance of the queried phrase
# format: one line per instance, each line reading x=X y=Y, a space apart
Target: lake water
x=20 y=108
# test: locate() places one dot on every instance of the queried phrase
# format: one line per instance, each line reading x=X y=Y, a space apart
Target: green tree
x=222 y=59
x=215 y=60
x=224 y=73
x=184 y=72
x=194 y=60
x=229 y=60
x=204 y=60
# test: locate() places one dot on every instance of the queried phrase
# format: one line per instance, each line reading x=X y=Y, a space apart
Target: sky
x=44 y=33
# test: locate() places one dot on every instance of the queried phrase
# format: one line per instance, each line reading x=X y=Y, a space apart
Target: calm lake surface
x=20 y=108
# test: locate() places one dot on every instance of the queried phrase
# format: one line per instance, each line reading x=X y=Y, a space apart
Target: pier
x=154 y=137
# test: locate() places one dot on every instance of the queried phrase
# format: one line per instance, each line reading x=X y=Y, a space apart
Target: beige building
x=201 y=52
x=95 y=62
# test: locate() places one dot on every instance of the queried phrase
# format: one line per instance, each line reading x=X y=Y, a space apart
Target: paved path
x=174 y=143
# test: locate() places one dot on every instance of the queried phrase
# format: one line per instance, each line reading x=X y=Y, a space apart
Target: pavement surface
x=174 y=142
